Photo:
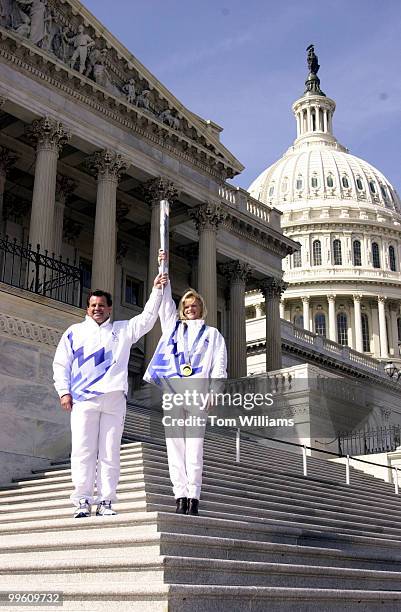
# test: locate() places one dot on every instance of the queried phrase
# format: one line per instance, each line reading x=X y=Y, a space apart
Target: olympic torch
x=164 y=234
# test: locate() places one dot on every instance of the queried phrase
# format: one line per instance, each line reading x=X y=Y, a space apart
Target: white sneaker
x=84 y=509
x=104 y=508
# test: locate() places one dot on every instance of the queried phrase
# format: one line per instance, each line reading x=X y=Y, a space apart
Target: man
x=90 y=376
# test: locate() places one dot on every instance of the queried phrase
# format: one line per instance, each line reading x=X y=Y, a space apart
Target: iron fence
x=365 y=442
x=22 y=267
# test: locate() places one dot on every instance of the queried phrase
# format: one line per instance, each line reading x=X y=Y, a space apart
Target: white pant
x=96 y=429
x=185 y=462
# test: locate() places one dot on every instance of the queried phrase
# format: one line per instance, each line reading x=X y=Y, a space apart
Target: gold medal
x=186 y=369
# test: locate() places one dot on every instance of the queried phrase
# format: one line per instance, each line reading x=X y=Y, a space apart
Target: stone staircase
x=267 y=539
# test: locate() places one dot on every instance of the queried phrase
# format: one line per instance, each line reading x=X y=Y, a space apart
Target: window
x=375 y=255
x=384 y=192
x=299 y=320
x=320 y=324
x=329 y=181
x=337 y=257
x=133 y=291
x=356 y=247
x=342 y=329
x=359 y=183
x=345 y=182
x=399 y=328
x=372 y=187
x=299 y=183
x=250 y=312
x=271 y=191
x=297 y=259
x=365 y=333
x=314 y=181
x=284 y=185
x=391 y=257
x=86 y=267
x=317 y=253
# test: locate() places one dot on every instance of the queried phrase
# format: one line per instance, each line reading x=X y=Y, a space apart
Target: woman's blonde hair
x=191 y=294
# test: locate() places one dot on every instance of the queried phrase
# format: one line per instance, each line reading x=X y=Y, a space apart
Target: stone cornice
x=207 y=155
x=249 y=228
x=28 y=330
x=350 y=226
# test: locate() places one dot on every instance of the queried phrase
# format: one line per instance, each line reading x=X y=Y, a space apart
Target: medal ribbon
x=189 y=354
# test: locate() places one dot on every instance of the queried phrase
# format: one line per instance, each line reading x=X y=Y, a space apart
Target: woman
x=188 y=349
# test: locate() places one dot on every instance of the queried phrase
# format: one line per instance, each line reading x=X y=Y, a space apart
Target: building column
x=64 y=187
x=394 y=311
x=207 y=219
x=272 y=289
x=358 y=323
x=7 y=159
x=332 y=317
x=305 y=312
x=157 y=189
x=282 y=309
x=108 y=166
x=381 y=301
x=49 y=136
x=237 y=274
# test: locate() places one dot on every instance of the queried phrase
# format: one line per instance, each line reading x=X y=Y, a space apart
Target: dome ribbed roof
x=323 y=172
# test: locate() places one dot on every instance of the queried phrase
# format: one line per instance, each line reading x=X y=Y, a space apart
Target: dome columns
x=332 y=317
x=381 y=302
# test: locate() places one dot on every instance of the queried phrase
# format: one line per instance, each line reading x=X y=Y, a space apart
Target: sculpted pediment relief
x=66 y=31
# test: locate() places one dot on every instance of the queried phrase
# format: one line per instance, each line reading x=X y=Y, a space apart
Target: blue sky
x=242 y=63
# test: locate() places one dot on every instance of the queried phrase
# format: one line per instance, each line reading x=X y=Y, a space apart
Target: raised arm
x=143 y=323
x=168 y=309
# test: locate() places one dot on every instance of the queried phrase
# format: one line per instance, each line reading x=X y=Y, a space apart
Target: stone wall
x=33 y=428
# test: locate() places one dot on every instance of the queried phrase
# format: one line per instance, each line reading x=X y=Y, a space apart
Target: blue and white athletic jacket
x=208 y=361
x=92 y=359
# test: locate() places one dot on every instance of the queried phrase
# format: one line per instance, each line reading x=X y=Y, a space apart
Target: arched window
x=391 y=258
x=250 y=312
x=299 y=183
x=357 y=253
x=284 y=185
x=365 y=333
x=372 y=187
x=375 y=255
x=359 y=183
x=299 y=321
x=337 y=257
x=314 y=182
x=329 y=181
x=297 y=259
x=271 y=191
x=344 y=181
x=320 y=324
x=342 y=329
x=384 y=192
x=317 y=253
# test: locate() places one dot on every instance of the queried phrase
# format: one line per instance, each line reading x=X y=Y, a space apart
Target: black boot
x=193 y=505
x=182 y=505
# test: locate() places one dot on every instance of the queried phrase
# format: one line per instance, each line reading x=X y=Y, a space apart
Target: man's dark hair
x=100 y=293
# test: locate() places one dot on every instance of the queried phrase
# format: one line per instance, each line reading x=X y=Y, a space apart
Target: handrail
x=305 y=447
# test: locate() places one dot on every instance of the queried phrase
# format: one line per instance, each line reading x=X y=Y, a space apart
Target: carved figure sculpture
x=129 y=90
x=169 y=117
x=142 y=100
x=102 y=76
x=82 y=43
x=39 y=22
x=312 y=60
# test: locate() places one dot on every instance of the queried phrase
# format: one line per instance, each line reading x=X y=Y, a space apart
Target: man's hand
x=66 y=402
x=160 y=281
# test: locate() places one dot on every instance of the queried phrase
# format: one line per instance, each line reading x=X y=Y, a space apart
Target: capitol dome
x=345 y=281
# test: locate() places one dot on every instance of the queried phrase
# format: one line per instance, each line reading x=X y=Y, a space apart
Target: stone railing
x=241 y=200
x=316 y=344
x=329 y=270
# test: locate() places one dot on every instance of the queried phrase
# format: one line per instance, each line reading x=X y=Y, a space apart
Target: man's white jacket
x=92 y=359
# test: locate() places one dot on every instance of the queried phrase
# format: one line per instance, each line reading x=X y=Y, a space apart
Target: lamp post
x=392 y=370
